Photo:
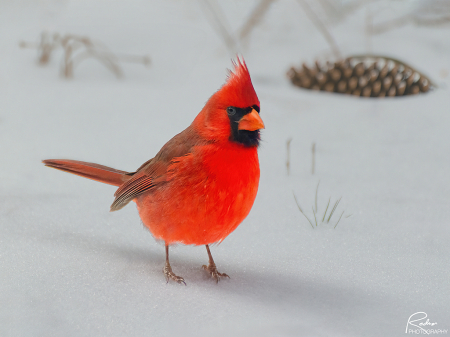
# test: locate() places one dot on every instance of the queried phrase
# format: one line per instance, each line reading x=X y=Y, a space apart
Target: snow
x=69 y=267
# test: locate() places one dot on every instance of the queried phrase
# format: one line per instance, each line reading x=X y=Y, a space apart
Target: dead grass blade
x=315 y=219
x=300 y=209
x=339 y=219
x=334 y=208
x=326 y=209
x=317 y=191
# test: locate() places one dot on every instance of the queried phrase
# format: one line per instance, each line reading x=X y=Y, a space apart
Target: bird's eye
x=231 y=111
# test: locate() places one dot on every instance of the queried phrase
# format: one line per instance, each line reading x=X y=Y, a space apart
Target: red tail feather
x=92 y=171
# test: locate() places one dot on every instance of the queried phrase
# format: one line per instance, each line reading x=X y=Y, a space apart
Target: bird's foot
x=212 y=271
x=168 y=273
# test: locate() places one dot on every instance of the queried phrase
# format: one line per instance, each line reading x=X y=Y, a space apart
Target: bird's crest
x=238 y=87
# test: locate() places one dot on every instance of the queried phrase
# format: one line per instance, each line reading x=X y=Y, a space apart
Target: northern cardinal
x=202 y=183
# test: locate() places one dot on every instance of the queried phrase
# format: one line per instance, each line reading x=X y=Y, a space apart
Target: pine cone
x=367 y=76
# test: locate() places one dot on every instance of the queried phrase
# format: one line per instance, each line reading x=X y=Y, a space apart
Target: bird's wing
x=130 y=190
x=153 y=173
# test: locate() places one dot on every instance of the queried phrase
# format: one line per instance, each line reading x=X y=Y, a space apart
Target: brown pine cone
x=368 y=76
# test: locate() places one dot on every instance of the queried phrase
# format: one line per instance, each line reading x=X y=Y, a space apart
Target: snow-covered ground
x=69 y=267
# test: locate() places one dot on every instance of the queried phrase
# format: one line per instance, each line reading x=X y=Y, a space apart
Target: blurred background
x=111 y=82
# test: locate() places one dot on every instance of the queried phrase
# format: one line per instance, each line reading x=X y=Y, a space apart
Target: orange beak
x=251 y=122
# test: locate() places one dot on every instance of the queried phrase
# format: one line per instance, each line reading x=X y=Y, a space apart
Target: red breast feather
x=208 y=194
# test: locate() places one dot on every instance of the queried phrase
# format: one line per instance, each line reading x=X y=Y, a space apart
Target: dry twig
x=255 y=17
x=288 y=159
x=218 y=21
x=321 y=27
x=78 y=48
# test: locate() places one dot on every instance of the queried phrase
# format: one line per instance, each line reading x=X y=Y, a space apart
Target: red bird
x=202 y=183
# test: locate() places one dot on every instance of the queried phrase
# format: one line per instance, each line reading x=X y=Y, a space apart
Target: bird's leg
x=211 y=269
x=167 y=270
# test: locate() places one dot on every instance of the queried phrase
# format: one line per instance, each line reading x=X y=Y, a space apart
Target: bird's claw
x=168 y=273
x=212 y=271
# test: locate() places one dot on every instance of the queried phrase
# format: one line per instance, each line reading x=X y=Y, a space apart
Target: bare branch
x=217 y=20
x=321 y=27
x=255 y=17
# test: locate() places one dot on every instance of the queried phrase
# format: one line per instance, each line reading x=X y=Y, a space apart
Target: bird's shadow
x=283 y=292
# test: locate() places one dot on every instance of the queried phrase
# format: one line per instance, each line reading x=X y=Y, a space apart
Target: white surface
x=68 y=267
